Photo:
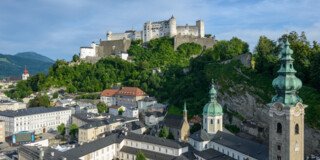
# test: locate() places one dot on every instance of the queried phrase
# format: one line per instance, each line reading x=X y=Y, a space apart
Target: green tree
x=196 y=127
x=55 y=95
x=120 y=111
x=140 y=156
x=315 y=71
x=75 y=58
x=73 y=130
x=164 y=132
x=266 y=56
x=40 y=101
x=61 y=129
x=102 y=107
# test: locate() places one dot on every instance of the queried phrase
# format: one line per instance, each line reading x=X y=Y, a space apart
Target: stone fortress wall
x=204 y=42
x=116 y=43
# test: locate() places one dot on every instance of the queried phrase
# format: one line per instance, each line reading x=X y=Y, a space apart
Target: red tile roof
x=109 y=92
x=131 y=91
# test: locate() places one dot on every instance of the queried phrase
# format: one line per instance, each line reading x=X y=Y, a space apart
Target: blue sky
x=57 y=28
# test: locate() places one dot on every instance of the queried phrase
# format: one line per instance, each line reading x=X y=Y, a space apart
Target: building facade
x=286 y=127
x=88 y=51
x=9 y=104
x=38 y=119
x=2 y=131
x=169 y=28
x=122 y=146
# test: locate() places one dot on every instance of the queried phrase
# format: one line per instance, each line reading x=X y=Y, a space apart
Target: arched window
x=218 y=121
x=296 y=129
x=211 y=121
x=279 y=128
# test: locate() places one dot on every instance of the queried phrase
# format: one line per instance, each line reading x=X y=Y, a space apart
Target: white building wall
x=36 y=122
x=109 y=101
x=88 y=51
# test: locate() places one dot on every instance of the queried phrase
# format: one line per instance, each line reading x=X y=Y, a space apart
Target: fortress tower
x=286 y=128
x=212 y=114
x=172 y=26
x=200 y=26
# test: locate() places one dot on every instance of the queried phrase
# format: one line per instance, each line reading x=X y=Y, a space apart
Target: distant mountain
x=35 y=56
x=13 y=65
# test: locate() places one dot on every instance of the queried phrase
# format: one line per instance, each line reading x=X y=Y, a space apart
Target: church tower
x=212 y=113
x=25 y=74
x=286 y=128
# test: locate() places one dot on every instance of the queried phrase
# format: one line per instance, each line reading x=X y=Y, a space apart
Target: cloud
x=57 y=28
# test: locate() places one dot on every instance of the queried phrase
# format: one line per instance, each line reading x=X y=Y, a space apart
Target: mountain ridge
x=13 y=65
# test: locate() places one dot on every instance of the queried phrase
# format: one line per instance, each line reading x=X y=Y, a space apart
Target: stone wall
x=204 y=42
x=107 y=48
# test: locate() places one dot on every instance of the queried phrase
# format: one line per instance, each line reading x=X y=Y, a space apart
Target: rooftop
x=253 y=149
x=109 y=92
x=31 y=111
x=173 y=121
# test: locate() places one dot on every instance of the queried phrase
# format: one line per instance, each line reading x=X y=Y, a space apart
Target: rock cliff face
x=253 y=116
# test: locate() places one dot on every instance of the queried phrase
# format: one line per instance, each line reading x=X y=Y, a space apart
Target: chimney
x=52 y=154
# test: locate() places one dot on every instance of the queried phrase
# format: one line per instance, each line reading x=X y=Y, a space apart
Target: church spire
x=286 y=84
x=185 y=112
x=212 y=93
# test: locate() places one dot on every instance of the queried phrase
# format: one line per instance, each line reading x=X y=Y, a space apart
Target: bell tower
x=212 y=113
x=286 y=128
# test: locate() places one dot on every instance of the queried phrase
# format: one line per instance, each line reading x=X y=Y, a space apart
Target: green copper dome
x=286 y=84
x=212 y=108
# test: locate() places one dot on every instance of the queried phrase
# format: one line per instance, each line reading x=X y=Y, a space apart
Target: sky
x=58 y=28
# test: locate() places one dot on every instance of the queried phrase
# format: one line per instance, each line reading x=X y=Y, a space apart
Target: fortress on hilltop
x=118 y=43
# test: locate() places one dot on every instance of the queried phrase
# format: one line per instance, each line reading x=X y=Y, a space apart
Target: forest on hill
x=187 y=72
x=13 y=65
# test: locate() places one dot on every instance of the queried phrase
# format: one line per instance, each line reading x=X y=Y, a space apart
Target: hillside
x=34 y=56
x=13 y=65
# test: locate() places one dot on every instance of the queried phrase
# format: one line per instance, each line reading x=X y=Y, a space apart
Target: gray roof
x=134 y=125
x=154 y=140
x=31 y=111
x=201 y=135
x=90 y=147
x=211 y=154
x=173 y=121
x=155 y=113
x=253 y=149
x=149 y=154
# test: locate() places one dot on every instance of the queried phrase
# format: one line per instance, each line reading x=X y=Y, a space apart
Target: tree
x=120 y=111
x=40 y=101
x=102 y=107
x=55 y=95
x=164 y=132
x=73 y=130
x=140 y=156
x=61 y=129
x=195 y=127
x=75 y=58
x=266 y=56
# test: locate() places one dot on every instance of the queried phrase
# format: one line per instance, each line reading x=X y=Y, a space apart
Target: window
x=279 y=147
x=218 y=121
x=296 y=129
x=278 y=157
x=211 y=121
x=279 y=128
